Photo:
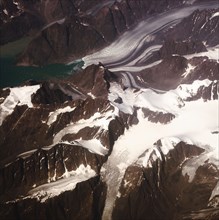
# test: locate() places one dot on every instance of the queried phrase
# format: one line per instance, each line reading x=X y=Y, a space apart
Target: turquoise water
x=12 y=75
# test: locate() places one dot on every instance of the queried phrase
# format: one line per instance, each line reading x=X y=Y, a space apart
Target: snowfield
x=195 y=124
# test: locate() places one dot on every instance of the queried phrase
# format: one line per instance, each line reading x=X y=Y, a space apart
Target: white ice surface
x=194 y=125
x=185 y=91
x=17 y=96
x=167 y=102
x=94 y=146
x=100 y=120
x=195 y=121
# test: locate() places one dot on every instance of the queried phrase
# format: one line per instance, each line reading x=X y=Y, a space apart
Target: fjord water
x=12 y=75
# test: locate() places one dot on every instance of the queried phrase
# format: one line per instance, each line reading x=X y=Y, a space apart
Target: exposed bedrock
x=156 y=117
x=36 y=155
x=173 y=47
x=171 y=72
x=192 y=35
x=206 y=93
x=92 y=82
x=199 y=26
x=161 y=191
x=86 y=202
x=43 y=166
x=20 y=18
x=50 y=130
x=204 y=69
x=22 y=25
x=167 y=74
x=84 y=95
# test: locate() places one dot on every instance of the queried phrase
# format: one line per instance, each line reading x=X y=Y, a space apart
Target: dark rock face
x=21 y=26
x=10 y=10
x=47 y=94
x=199 y=26
x=156 y=117
x=93 y=80
x=65 y=35
x=171 y=47
x=18 y=21
x=32 y=164
x=167 y=74
x=206 y=93
x=35 y=128
x=44 y=166
x=205 y=69
x=161 y=191
x=85 y=202
x=4 y=93
x=22 y=17
x=51 y=96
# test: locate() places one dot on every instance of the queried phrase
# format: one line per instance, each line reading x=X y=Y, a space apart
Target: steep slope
x=20 y=18
x=132 y=136
x=82 y=33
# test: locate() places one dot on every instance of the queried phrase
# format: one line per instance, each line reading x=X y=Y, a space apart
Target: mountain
x=134 y=134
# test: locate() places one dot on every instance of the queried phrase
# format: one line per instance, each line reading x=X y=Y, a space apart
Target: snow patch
x=91 y=95
x=216 y=14
x=188 y=70
x=100 y=120
x=18 y=96
x=26 y=154
x=212 y=53
x=168 y=144
x=5 y=11
x=60 y=22
x=49 y=190
x=94 y=146
x=53 y=115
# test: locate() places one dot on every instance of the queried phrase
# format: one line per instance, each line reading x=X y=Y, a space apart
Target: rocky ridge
x=82 y=32
x=106 y=144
